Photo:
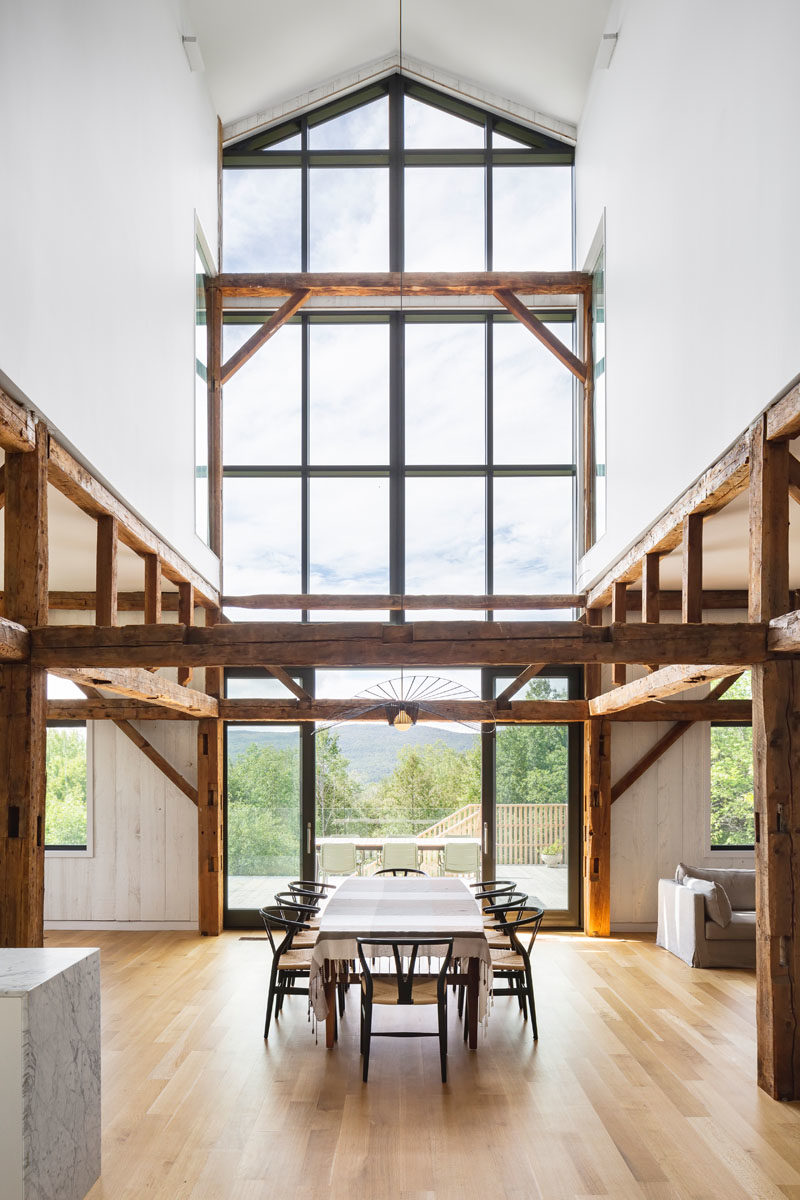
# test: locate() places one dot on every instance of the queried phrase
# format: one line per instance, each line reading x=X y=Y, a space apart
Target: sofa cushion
x=742 y=928
x=740 y=884
x=717 y=904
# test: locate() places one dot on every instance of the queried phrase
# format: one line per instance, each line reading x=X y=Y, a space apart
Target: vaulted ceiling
x=259 y=53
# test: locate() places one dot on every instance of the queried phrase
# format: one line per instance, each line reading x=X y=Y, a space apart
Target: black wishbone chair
x=288 y=963
x=401 y=871
x=404 y=986
x=521 y=926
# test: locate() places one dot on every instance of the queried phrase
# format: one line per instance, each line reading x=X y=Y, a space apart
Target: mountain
x=371 y=749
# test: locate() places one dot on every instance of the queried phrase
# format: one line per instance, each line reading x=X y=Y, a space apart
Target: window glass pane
x=293 y=142
x=261 y=402
x=263 y=812
x=445 y=393
x=533 y=536
x=349 y=389
x=543 y=687
x=599 y=392
x=262 y=220
x=532 y=397
x=444 y=219
x=429 y=128
x=532 y=779
x=532 y=218
x=66 y=819
x=201 y=513
x=445 y=542
x=349 y=219
x=261 y=536
x=501 y=142
x=732 y=819
x=364 y=128
x=260 y=687
x=349 y=539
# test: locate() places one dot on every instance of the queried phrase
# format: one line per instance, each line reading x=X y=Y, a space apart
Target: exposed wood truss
x=663 y=744
x=408 y=283
x=15 y=641
x=262 y=335
x=142 y=685
x=540 y=331
x=524 y=677
x=665 y=682
x=2 y=485
x=396 y=602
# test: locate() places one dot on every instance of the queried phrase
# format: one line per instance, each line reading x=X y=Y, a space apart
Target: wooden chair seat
x=497 y=940
x=384 y=989
x=306 y=940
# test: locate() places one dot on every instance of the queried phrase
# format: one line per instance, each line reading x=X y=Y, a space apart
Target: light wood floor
x=642 y=1085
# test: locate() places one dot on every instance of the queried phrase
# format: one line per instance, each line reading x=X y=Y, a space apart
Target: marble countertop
x=22 y=970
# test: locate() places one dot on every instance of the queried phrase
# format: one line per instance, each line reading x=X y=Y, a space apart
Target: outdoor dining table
x=395 y=907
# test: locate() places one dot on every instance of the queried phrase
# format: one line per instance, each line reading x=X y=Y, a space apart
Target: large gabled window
x=419 y=450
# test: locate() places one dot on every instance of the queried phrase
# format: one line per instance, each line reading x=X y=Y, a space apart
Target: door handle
x=308 y=838
x=485 y=837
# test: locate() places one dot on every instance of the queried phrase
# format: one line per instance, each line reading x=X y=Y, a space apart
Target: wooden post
x=597 y=828
x=776 y=758
x=23 y=702
x=210 y=750
x=619 y=615
x=185 y=617
x=152 y=589
x=106 y=572
x=692 y=585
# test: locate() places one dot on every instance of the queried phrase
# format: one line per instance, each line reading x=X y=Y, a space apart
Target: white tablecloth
x=388 y=907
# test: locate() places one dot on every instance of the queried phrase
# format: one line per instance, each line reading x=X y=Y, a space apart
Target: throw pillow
x=717 y=904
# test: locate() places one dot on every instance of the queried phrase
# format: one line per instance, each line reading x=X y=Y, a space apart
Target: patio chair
x=404 y=986
x=399 y=854
x=461 y=858
x=337 y=858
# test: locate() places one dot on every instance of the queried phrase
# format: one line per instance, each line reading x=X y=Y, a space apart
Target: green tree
x=264 y=811
x=532 y=759
x=428 y=783
x=339 y=795
x=732 y=819
x=65 y=812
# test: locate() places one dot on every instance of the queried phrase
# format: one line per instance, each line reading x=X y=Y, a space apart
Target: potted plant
x=551 y=855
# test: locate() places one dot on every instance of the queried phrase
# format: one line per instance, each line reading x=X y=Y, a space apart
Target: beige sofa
x=691 y=925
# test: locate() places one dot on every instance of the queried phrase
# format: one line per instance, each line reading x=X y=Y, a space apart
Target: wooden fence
x=522 y=829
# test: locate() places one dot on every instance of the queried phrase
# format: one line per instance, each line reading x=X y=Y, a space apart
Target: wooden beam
x=529 y=673
x=662 y=745
x=769 y=525
x=776 y=755
x=87 y=601
x=92 y=497
x=783 y=415
x=672 y=601
x=152 y=590
x=619 y=615
x=664 y=682
x=592 y=673
x=262 y=335
x=23 y=690
x=209 y=826
x=597 y=828
x=106 y=571
x=141 y=685
x=692 y=572
x=541 y=332
x=185 y=617
x=395 y=602
x=537 y=712
x=107 y=708
x=354 y=643
x=715 y=488
x=409 y=283
x=783 y=636
x=651 y=589
x=149 y=751
x=15 y=641
x=17 y=426
x=2 y=485
x=290 y=684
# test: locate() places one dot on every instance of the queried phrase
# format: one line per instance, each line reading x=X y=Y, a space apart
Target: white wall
x=143 y=867
x=689 y=142
x=109 y=147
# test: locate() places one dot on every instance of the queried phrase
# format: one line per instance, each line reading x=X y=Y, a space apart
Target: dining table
x=395 y=907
